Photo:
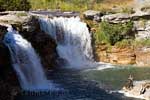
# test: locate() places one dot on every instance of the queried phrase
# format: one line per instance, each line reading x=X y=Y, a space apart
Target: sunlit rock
x=141 y=89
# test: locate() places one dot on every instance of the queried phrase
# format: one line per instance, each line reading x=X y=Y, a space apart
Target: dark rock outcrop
x=42 y=42
x=9 y=86
x=3 y=30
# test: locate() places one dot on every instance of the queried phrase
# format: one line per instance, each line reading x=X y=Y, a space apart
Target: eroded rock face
x=143 y=56
x=101 y=53
x=116 y=55
x=128 y=55
x=122 y=55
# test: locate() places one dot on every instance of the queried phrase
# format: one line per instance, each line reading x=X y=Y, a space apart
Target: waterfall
x=72 y=37
x=26 y=63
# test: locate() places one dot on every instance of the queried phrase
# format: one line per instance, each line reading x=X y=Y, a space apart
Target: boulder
x=143 y=29
x=92 y=15
x=116 y=18
x=14 y=17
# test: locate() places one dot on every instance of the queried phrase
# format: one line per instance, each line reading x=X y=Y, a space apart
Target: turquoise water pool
x=115 y=78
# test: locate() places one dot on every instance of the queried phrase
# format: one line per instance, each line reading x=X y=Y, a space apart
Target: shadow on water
x=75 y=87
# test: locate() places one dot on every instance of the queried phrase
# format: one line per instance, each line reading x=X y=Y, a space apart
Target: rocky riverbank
x=140 y=90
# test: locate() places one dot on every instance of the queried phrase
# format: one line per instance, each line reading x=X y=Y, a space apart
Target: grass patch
x=135 y=43
x=127 y=10
x=124 y=43
x=21 y=14
x=141 y=43
x=78 y=5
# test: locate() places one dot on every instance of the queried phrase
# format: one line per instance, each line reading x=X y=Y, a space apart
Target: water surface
x=90 y=84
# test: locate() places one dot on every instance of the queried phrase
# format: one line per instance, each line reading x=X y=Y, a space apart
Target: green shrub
x=114 y=32
x=22 y=14
x=65 y=5
x=100 y=37
x=128 y=10
x=143 y=42
x=124 y=43
x=12 y=5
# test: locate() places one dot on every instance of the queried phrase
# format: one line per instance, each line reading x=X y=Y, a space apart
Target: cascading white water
x=72 y=37
x=26 y=63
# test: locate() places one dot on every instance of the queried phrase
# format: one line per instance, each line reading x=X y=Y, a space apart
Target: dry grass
x=109 y=4
x=102 y=6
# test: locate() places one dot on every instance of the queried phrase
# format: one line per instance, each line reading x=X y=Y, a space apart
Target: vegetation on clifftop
x=65 y=5
x=112 y=33
x=79 y=5
x=11 y=5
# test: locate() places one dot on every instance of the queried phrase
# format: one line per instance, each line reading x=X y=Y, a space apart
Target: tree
x=12 y=5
